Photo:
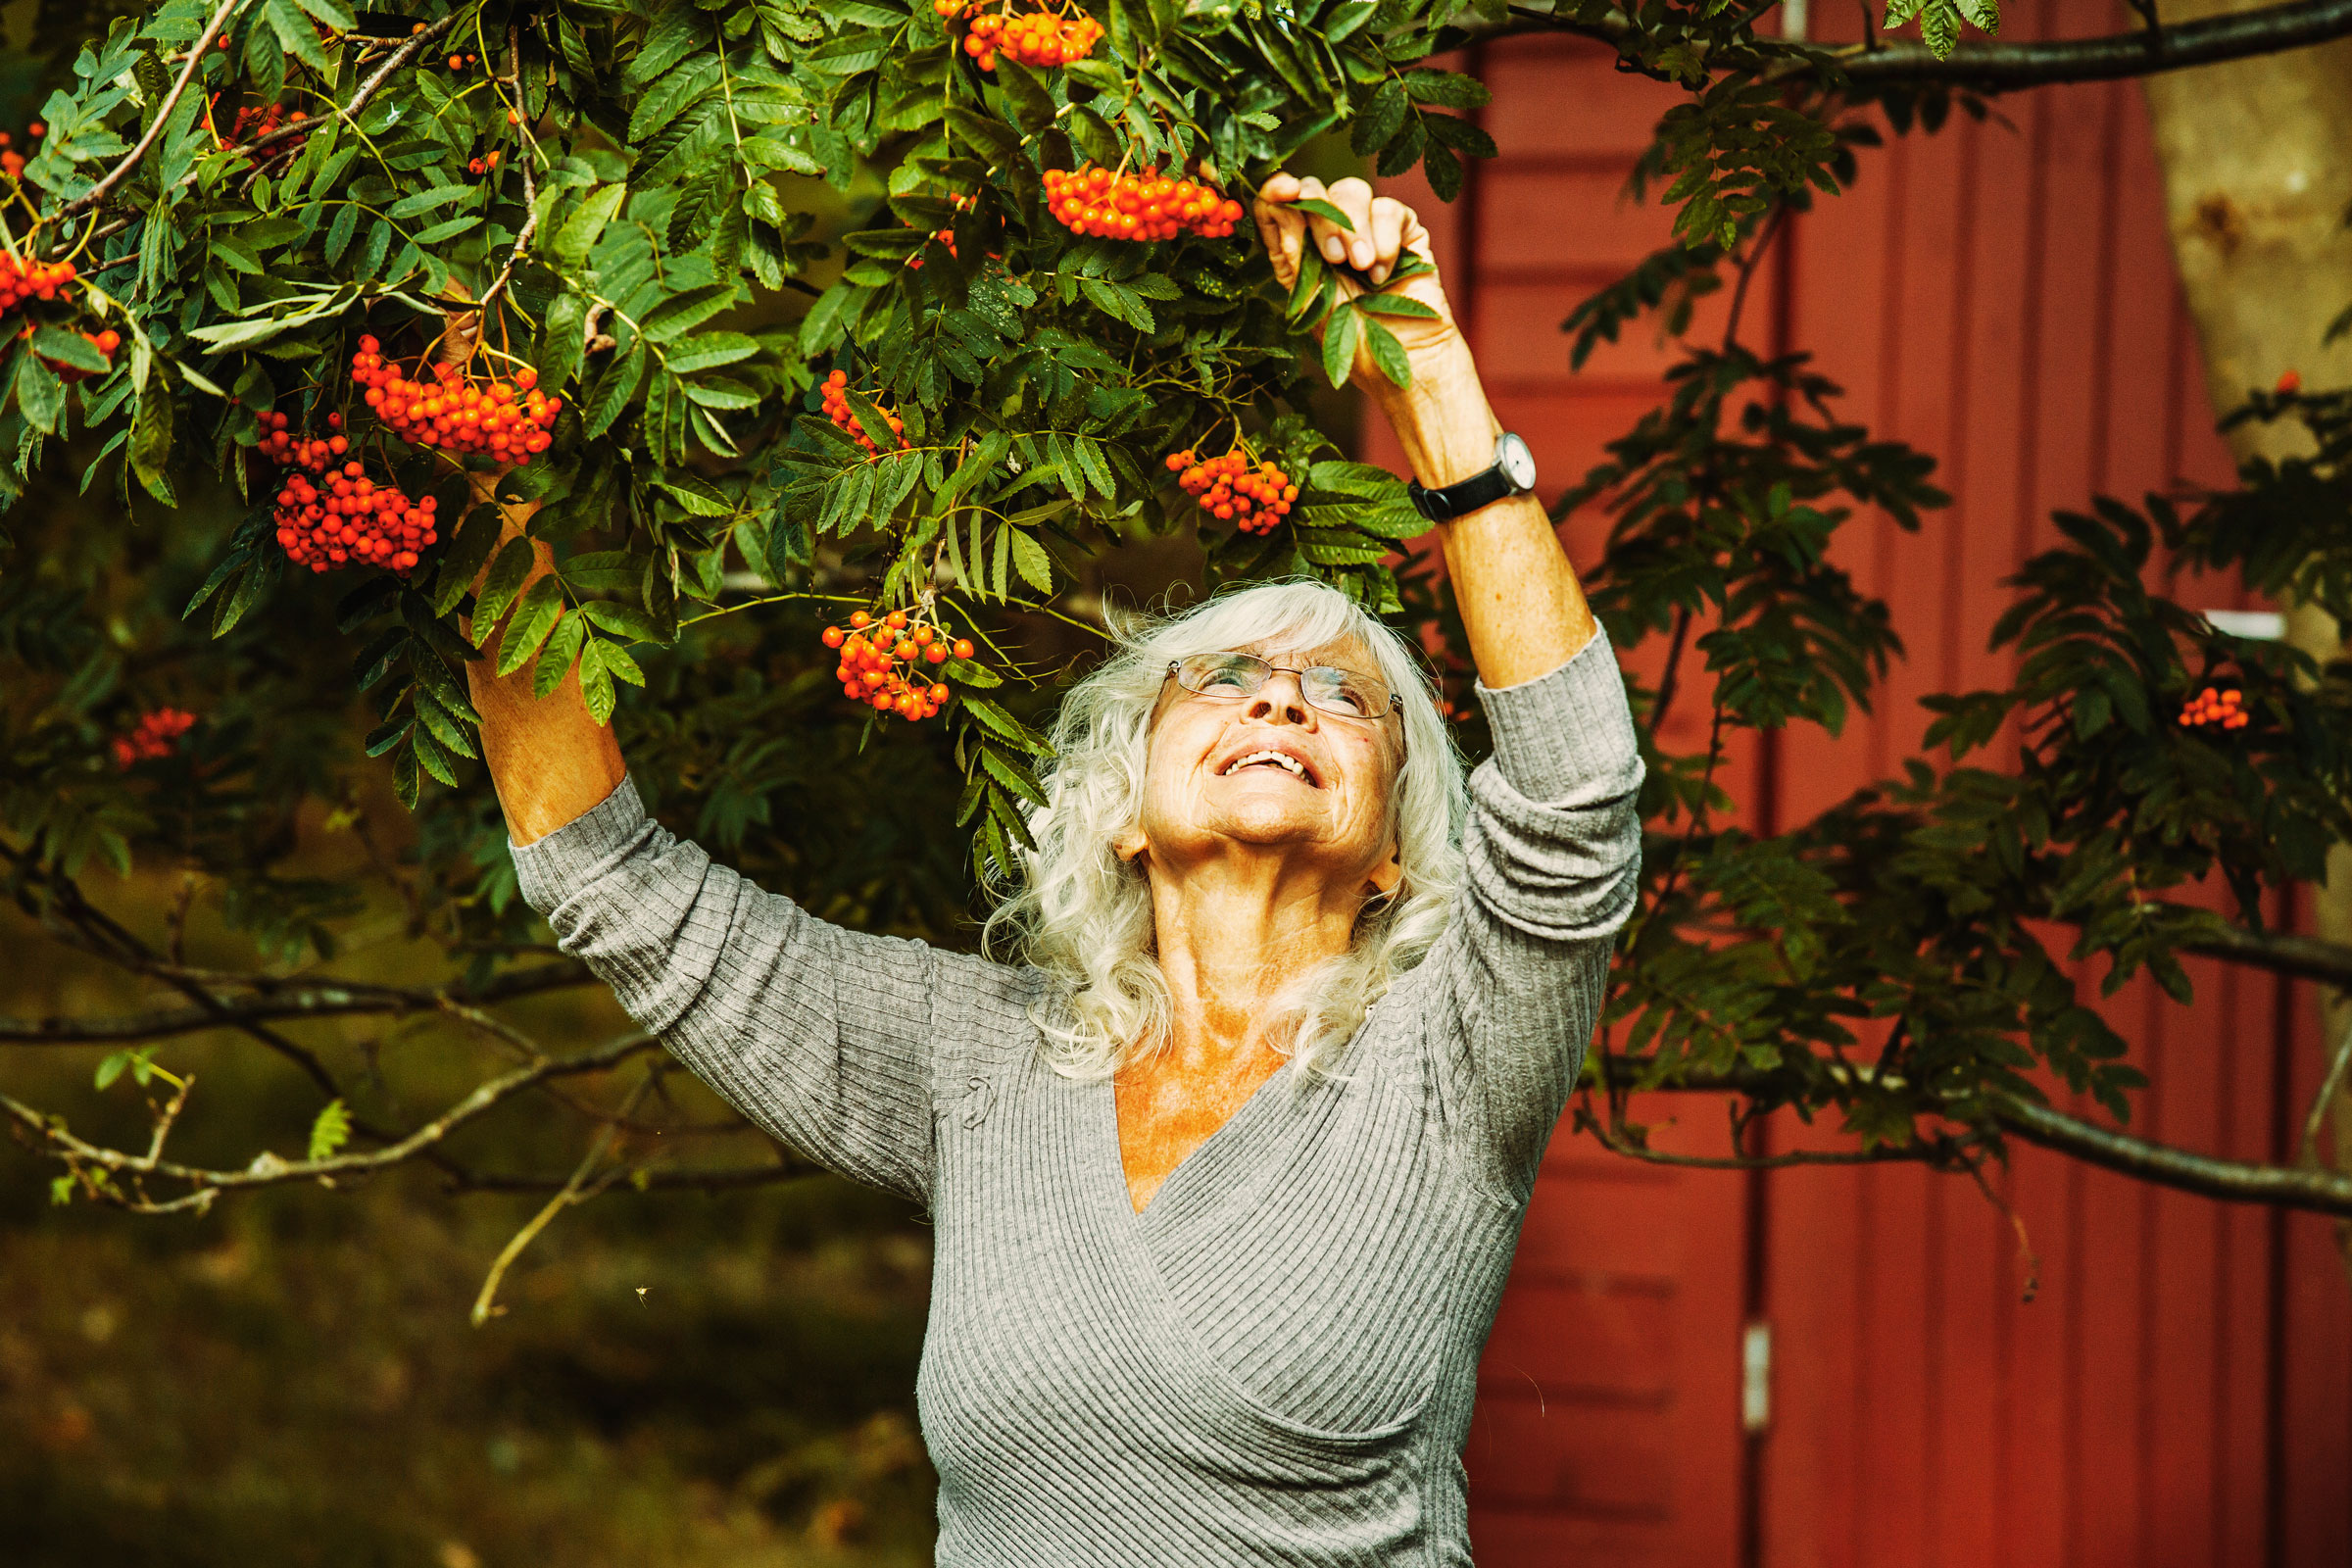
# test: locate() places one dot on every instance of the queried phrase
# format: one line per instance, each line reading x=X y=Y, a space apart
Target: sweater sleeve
x=1552 y=863
x=826 y=1039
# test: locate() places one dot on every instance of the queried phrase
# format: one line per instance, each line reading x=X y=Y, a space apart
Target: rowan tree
x=843 y=349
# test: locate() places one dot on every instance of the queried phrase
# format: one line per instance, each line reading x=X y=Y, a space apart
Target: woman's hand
x=1385 y=231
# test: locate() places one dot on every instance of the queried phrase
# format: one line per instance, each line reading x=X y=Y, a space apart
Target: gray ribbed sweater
x=1275 y=1361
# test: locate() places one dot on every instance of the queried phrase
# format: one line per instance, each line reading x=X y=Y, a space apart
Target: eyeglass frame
x=1396 y=699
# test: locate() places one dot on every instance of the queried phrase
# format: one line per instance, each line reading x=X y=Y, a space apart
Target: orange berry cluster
x=881 y=665
x=348 y=518
x=43 y=280
x=12 y=161
x=153 y=736
x=508 y=420
x=1095 y=201
x=1229 y=489
x=487 y=163
x=309 y=453
x=460 y=62
x=836 y=394
x=2224 y=710
x=2289 y=382
x=1038 y=39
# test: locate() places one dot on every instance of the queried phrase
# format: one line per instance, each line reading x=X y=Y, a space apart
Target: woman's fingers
x=1379 y=229
x=1280 y=226
x=1329 y=240
x=1354 y=198
x=1388 y=215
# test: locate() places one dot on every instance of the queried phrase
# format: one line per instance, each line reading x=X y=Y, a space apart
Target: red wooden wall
x=2180 y=1391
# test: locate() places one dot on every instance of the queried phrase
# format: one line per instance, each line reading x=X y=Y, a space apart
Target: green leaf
x=504 y=582
x=554 y=658
x=1030 y=558
x=330 y=1130
x=1317 y=207
x=1388 y=353
x=596 y=677
x=476 y=538
x=424 y=201
x=686 y=311
x=534 y=617
x=572 y=242
x=613 y=389
x=1339 y=333
x=70 y=348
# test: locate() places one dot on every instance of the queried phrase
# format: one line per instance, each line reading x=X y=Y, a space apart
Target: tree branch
x=269 y=1170
x=332 y=999
x=2231 y=1181
x=1999 y=67
x=2159 y=1164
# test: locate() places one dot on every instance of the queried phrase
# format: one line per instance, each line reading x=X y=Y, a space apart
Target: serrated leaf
x=330 y=1130
x=534 y=618
x=562 y=646
x=504 y=582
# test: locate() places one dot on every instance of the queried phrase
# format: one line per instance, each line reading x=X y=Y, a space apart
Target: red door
x=2180 y=1391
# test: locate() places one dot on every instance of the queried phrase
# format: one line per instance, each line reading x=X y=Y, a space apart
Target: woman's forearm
x=1520 y=601
x=548 y=760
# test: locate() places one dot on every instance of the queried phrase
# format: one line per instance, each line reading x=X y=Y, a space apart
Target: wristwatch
x=1513 y=475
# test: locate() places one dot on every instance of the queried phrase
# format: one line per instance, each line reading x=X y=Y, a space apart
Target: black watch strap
x=1461 y=497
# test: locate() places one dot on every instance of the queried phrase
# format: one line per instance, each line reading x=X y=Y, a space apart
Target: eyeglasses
x=1328 y=689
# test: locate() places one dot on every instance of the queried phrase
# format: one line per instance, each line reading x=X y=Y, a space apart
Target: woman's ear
x=1130 y=844
x=1387 y=873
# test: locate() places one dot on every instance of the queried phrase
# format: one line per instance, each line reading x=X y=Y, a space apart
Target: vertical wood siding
x=2180 y=1391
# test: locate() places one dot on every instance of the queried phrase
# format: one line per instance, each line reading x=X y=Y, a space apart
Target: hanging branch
x=1987 y=67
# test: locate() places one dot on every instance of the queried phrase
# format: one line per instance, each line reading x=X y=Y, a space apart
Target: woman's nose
x=1280 y=701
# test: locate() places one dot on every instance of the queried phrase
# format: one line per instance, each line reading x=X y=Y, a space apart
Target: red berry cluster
x=487 y=163
x=309 y=453
x=2221 y=709
x=348 y=518
x=834 y=391
x=1038 y=39
x=153 y=736
x=1095 y=201
x=42 y=280
x=254 y=122
x=881 y=665
x=508 y=420
x=12 y=161
x=2291 y=383
x=1229 y=489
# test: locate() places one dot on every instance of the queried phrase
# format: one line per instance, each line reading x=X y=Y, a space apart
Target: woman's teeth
x=1276 y=757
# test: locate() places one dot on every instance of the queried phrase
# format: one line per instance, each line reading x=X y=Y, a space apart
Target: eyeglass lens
x=1333 y=690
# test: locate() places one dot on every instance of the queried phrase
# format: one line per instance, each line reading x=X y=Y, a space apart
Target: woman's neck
x=1231 y=936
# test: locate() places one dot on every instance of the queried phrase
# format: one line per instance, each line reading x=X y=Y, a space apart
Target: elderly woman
x=1183 y=1313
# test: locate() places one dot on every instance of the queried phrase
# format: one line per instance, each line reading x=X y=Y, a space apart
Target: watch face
x=1518 y=465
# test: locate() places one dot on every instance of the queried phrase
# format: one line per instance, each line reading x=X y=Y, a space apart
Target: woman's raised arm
x=1519 y=597
x=549 y=760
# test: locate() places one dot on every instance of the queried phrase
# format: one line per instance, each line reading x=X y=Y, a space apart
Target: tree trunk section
x=2257 y=161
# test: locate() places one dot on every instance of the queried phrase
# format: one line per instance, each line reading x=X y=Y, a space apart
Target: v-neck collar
x=1107 y=1121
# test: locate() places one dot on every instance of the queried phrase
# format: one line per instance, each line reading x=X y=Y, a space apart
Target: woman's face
x=1270 y=774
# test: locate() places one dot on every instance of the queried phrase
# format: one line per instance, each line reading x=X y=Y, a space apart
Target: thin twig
x=2340 y=1071
x=162 y=117
x=572 y=1192
x=349 y=113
